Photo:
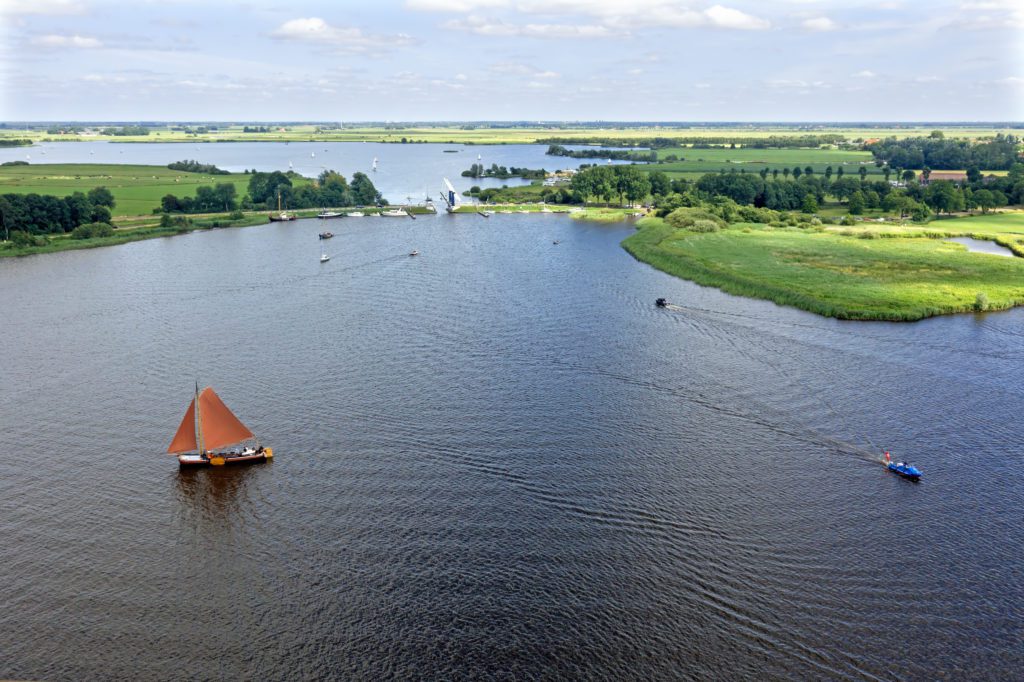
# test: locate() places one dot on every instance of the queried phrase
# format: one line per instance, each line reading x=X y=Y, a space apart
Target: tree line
x=38 y=214
x=936 y=152
x=16 y=142
x=767 y=142
x=613 y=154
x=190 y=166
x=126 y=130
x=478 y=170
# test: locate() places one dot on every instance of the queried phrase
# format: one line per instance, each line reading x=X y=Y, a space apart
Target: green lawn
x=137 y=189
x=905 y=278
x=993 y=223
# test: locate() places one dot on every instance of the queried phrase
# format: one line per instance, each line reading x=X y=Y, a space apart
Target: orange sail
x=219 y=426
x=185 y=438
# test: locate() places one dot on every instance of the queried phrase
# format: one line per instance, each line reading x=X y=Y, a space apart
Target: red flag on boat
x=887 y=458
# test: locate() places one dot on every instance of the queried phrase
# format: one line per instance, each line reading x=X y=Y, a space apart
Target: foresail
x=185 y=439
x=219 y=425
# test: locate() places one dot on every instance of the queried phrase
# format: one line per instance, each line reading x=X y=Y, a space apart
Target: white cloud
x=702 y=86
x=1011 y=80
x=460 y=76
x=608 y=16
x=345 y=38
x=863 y=74
x=927 y=79
x=486 y=27
x=11 y=7
x=57 y=41
x=726 y=17
x=819 y=24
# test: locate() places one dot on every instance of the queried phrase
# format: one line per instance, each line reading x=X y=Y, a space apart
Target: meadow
x=696 y=162
x=137 y=189
x=863 y=275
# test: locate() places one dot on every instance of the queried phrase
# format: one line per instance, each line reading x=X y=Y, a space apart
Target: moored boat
x=210 y=434
x=326 y=235
x=326 y=215
x=394 y=213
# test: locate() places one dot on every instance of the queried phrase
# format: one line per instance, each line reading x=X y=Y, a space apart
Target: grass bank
x=832 y=274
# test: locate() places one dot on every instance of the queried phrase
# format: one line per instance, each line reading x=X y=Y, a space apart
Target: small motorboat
x=326 y=235
x=660 y=302
x=326 y=215
x=557 y=242
x=904 y=469
x=394 y=213
x=414 y=252
x=355 y=214
x=324 y=258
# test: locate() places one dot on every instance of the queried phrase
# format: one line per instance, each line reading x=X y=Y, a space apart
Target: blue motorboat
x=905 y=470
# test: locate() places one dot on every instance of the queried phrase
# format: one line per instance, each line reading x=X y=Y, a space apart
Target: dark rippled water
x=498 y=459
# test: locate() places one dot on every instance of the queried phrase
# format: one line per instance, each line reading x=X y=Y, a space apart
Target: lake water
x=982 y=246
x=498 y=459
x=406 y=173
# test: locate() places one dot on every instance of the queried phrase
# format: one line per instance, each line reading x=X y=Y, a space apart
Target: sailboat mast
x=199 y=424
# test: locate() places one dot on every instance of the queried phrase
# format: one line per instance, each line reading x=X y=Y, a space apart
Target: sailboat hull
x=220 y=459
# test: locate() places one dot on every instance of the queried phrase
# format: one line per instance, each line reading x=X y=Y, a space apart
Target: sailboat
x=375 y=163
x=282 y=216
x=323 y=256
x=208 y=426
x=450 y=197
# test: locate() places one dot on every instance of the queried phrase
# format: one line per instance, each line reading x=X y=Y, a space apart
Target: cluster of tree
x=126 y=130
x=15 y=142
x=329 y=189
x=767 y=142
x=196 y=167
x=14 y=163
x=44 y=214
x=628 y=183
x=64 y=130
x=220 y=197
x=616 y=154
x=478 y=170
x=936 y=152
x=255 y=129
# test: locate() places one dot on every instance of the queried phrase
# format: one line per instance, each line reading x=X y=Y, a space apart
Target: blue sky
x=794 y=60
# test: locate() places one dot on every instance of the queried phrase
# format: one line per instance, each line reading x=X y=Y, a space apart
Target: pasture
x=137 y=189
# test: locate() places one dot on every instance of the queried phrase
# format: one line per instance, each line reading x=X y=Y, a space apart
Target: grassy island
x=860 y=274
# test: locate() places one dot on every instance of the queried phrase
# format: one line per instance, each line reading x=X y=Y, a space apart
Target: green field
x=137 y=189
x=482 y=134
x=696 y=162
x=839 y=275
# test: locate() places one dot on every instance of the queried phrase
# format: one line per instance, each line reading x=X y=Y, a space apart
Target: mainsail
x=217 y=424
x=450 y=196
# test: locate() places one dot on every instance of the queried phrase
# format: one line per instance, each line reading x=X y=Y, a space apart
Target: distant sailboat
x=312 y=155
x=323 y=256
x=208 y=425
x=375 y=163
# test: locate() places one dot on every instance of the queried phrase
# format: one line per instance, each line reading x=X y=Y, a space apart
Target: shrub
x=847 y=220
x=868 y=234
x=981 y=302
x=236 y=215
x=684 y=218
x=703 y=225
x=92 y=230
